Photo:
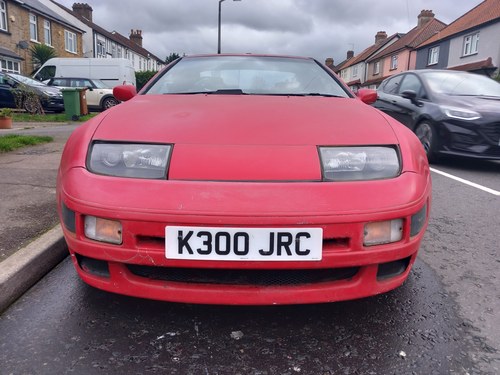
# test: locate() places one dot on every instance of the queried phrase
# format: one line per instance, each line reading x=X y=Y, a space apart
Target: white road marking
x=467 y=182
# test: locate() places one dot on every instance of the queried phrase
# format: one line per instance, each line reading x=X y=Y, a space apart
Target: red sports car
x=244 y=179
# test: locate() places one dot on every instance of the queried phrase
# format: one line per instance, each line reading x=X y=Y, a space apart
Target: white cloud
x=317 y=28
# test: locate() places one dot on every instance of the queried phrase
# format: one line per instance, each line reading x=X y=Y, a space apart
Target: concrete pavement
x=31 y=241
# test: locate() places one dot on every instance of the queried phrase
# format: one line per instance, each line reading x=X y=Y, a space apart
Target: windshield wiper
x=216 y=92
x=305 y=94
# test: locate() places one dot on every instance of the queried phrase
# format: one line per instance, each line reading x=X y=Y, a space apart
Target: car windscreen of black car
x=392 y=85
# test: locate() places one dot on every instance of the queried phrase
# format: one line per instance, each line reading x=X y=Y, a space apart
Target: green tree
x=173 y=56
x=141 y=78
x=40 y=53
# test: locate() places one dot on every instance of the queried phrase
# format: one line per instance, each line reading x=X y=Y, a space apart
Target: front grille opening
x=392 y=269
x=150 y=242
x=338 y=242
x=244 y=277
x=93 y=266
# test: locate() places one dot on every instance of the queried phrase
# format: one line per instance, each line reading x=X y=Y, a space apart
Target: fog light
x=381 y=232
x=103 y=230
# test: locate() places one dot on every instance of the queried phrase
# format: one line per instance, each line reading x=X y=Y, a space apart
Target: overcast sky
x=316 y=28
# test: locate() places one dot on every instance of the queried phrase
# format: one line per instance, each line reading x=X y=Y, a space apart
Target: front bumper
x=138 y=266
x=481 y=141
x=53 y=104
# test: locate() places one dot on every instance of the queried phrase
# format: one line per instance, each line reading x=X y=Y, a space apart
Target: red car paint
x=246 y=162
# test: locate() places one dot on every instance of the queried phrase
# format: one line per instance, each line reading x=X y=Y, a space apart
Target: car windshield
x=99 y=84
x=26 y=80
x=462 y=84
x=261 y=75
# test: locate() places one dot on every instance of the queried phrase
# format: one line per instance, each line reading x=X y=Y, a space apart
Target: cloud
x=317 y=28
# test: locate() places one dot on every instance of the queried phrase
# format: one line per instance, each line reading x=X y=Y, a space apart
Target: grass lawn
x=11 y=142
x=50 y=117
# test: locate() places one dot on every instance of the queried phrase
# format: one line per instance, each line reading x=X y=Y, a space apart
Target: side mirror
x=367 y=96
x=411 y=96
x=90 y=88
x=124 y=92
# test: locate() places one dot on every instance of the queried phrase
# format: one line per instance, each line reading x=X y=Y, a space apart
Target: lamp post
x=218 y=34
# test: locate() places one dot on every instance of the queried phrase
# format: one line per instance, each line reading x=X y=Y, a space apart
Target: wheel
x=429 y=139
x=108 y=103
x=30 y=105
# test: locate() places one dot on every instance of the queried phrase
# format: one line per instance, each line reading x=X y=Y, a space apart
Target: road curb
x=24 y=268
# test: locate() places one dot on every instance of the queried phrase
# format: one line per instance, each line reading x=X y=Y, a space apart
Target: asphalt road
x=444 y=320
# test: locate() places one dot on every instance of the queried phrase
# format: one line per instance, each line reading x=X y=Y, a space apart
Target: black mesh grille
x=244 y=277
x=492 y=132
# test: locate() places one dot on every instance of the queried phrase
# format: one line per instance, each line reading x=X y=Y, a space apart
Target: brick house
x=470 y=43
x=101 y=43
x=401 y=55
x=26 y=23
x=354 y=70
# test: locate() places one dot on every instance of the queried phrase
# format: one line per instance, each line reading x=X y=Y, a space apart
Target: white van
x=112 y=72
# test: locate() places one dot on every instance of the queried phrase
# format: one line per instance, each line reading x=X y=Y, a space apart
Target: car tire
x=108 y=103
x=429 y=139
x=30 y=105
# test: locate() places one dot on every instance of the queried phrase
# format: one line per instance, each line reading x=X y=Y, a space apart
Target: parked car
x=244 y=179
x=113 y=72
x=451 y=112
x=98 y=95
x=15 y=92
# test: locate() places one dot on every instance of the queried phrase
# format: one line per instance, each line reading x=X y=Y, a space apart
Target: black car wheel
x=108 y=103
x=30 y=105
x=428 y=137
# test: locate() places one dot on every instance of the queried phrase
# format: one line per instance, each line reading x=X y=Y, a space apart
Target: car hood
x=481 y=104
x=238 y=137
x=44 y=88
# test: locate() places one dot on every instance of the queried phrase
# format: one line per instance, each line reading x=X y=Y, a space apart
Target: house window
x=355 y=71
x=433 y=56
x=376 y=68
x=70 y=41
x=394 y=62
x=47 y=33
x=3 y=16
x=101 y=48
x=33 y=28
x=10 y=66
x=470 y=44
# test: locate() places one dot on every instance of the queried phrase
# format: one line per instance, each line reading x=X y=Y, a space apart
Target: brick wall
x=19 y=30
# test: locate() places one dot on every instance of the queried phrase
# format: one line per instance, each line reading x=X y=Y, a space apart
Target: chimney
x=424 y=17
x=350 y=54
x=83 y=10
x=380 y=37
x=329 y=62
x=136 y=37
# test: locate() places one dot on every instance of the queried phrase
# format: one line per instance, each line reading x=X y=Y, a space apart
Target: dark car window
x=392 y=85
x=47 y=72
x=413 y=83
x=59 y=82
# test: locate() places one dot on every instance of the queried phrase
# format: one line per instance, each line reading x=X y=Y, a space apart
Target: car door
x=409 y=102
x=388 y=97
x=6 y=96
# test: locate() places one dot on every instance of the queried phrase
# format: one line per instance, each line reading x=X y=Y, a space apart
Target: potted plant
x=5 y=118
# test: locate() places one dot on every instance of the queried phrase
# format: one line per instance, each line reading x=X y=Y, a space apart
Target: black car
x=15 y=92
x=451 y=112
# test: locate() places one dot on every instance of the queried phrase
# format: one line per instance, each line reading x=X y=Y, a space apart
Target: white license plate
x=250 y=244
